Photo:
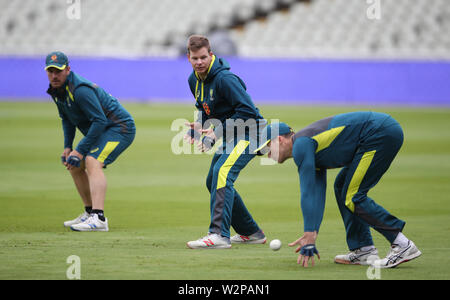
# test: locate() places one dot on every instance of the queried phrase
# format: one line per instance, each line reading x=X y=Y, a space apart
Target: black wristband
x=194 y=134
x=309 y=250
x=208 y=142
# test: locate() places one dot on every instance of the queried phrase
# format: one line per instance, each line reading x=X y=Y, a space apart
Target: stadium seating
x=341 y=28
x=259 y=28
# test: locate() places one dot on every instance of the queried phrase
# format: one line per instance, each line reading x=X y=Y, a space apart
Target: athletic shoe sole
x=250 y=242
x=346 y=262
x=406 y=259
x=210 y=247
x=103 y=230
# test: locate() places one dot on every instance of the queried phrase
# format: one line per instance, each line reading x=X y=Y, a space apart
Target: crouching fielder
x=108 y=130
x=363 y=144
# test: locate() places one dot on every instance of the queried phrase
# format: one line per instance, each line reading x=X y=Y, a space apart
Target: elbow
x=101 y=123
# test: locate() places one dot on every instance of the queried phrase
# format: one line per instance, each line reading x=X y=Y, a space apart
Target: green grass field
x=157 y=201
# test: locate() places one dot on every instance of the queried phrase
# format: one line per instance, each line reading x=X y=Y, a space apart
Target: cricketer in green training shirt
x=221 y=96
x=363 y=144
x=108 y=130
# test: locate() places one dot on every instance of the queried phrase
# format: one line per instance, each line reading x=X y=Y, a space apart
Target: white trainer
x=211 y=241
x=358 y=257
x=81 y=218
x=93 y=223
x=398 y=255
x=256 y=238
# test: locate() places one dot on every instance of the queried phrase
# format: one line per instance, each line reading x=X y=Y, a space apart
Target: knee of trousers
x=350 y=201
x=338 y=190
x=212 y=176
x=215 y=178
x=221 y=178
x=339 y=184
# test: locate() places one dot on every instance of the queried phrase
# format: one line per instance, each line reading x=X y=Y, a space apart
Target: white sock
x=367 y=248
x=401 y=240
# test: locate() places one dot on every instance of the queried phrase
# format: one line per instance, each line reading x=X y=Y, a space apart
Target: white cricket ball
x=275 y=245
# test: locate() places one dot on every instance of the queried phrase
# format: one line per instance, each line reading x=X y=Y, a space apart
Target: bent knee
x=78 y=171
x=93 y=163
x=350 y=201
x=338 y=190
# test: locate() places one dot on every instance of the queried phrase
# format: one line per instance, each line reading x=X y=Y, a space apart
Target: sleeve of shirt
x=68 y=129
x=232 y=89
x=202 y=116
x=91 y=107
x=69 y=133
x=312 y=183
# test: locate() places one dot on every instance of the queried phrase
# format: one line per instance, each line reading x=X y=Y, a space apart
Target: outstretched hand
x=306 y=248
x=208 y=141
x=194 y=133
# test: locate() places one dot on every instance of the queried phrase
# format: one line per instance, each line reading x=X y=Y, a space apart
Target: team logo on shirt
x=211 y=95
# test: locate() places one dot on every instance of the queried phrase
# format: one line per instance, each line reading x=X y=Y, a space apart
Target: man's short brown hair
x=196 y=42
x=288 y=135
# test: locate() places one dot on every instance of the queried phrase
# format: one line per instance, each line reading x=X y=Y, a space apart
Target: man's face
x=278 y=149
x=57 y=77
x=200 y=60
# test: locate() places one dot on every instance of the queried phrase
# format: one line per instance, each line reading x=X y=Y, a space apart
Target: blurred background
x=287 y=51
x=301 y=61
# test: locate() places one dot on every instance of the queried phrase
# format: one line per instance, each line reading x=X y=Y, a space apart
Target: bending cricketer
x=222 y=95
x=363 y=144
x=108 y=130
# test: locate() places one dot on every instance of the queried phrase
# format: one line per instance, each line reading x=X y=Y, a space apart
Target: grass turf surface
x=157 y=201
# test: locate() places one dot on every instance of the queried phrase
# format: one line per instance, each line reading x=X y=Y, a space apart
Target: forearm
x=313 y=201
x=312 y=184
x=69 y=133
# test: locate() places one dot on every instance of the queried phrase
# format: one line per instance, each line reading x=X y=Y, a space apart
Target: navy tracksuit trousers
x=359 y=212
x=227 y=207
